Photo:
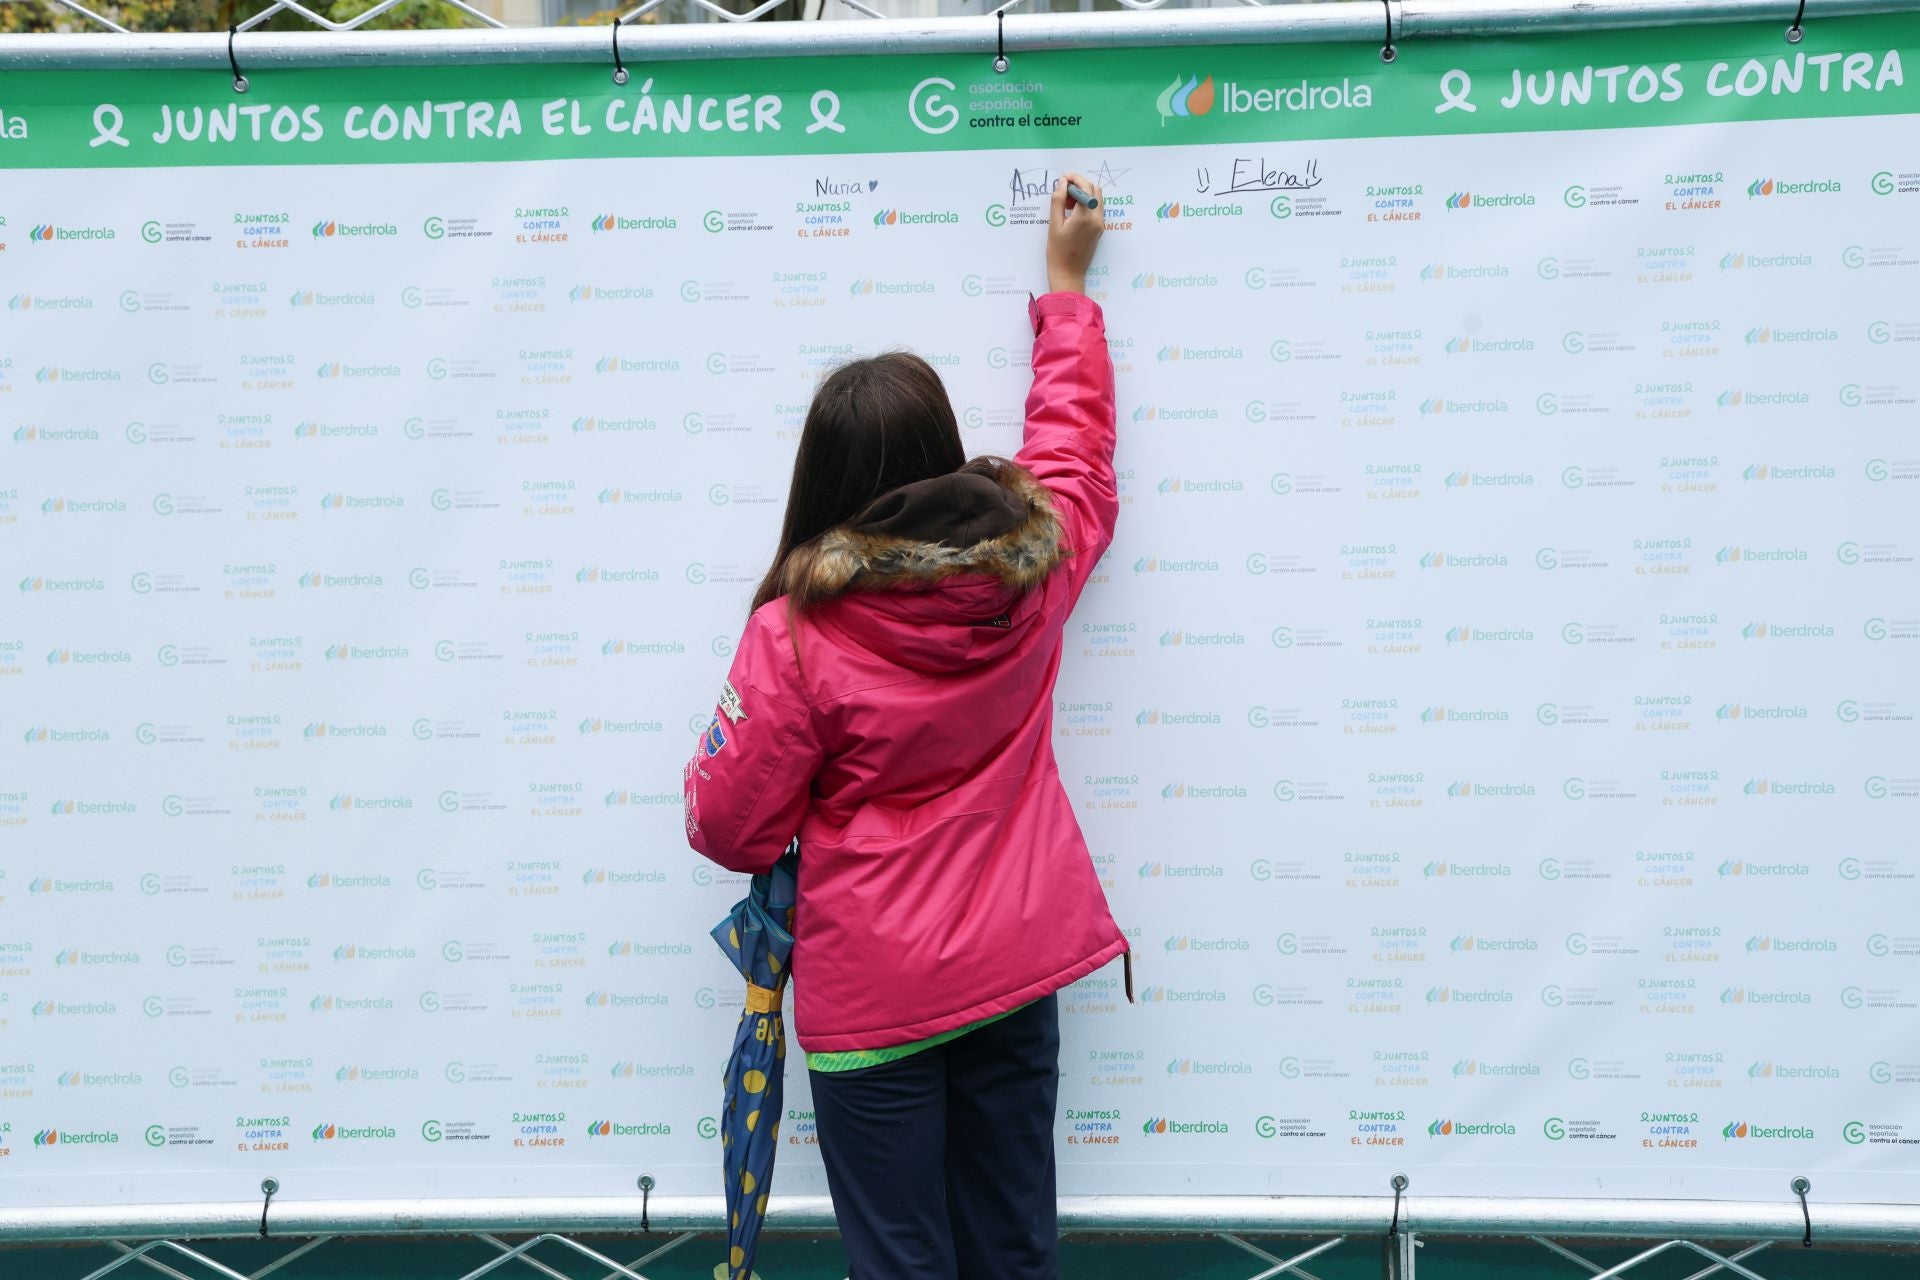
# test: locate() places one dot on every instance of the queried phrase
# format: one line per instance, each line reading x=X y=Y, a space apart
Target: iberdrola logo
x=1194 y=98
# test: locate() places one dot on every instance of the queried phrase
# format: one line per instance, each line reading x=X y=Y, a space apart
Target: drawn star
x=1109 y=177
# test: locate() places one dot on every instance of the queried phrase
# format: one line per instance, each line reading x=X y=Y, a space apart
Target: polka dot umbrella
x=757 y=936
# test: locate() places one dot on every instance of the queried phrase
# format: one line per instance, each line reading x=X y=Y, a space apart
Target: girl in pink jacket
x=890 y=703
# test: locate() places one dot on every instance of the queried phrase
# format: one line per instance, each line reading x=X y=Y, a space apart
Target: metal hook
x=1399 y=1184
x=239 y=81
x=1800 y=1188
x=1794 y=33
x=268 y=1185
x=1386 y=50
x=1000 y=63
x=646 y=1190
x=619 y=72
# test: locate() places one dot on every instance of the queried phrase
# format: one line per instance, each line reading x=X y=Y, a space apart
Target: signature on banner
x=1037 y=184
x=1258 y=175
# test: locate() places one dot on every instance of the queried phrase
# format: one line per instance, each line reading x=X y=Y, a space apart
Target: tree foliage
x=218 y=15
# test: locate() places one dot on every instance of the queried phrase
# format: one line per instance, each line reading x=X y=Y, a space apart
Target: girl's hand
x=1072 y=233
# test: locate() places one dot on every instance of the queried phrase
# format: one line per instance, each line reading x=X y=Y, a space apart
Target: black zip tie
x=268 y=1185
x=619 y=71
x=1800 y=1188
x=1794 y=34
x=1386 y=51
x=239 y=81
x=1000 y=63
x=1390 y=1248
x=646 y=1190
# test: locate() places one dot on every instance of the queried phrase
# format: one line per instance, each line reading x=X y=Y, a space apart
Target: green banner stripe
x=1080 y=98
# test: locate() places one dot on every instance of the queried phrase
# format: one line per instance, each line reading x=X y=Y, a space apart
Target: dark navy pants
x=941 y=1163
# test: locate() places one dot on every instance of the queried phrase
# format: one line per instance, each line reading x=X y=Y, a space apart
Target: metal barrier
x=1258 y=23
x=1723 y=1233
x=1399 y=1226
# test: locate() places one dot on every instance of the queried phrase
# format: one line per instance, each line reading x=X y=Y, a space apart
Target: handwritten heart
x=872 y=183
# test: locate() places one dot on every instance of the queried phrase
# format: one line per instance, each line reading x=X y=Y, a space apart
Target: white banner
x=1494 y=722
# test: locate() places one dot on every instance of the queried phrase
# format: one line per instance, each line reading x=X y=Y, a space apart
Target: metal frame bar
x=1414 y=20
x=1747 y=1252
x=1354 y=1216
x=140 y=1255
x=351 y=24
x=520 y=1251
x=649 y=1257
x=144 y=1257
x=1283 y=1265
x=535 y=1263
x=1657 y=1250
x=147 y=1260
x=91 y=16
x=1719 y=1264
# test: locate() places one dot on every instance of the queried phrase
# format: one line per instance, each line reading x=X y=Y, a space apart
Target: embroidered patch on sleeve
x=716 y=738
x=730 y=702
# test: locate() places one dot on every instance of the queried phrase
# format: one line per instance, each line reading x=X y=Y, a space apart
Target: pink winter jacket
x=943 y=877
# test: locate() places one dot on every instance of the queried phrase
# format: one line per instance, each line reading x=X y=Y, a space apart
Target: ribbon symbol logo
x=1454 y=88
x=107 y=123
x=826 y=112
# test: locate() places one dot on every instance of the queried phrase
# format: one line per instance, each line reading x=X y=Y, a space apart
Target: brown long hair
x=874 y=425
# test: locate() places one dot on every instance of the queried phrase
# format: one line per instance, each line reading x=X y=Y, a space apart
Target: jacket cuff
x=1072 y=306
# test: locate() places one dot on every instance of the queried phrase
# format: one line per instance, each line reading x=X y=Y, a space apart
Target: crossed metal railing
x=719 y=11
x=1401 y=1257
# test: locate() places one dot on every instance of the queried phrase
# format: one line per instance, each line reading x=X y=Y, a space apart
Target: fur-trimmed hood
x=991 y=519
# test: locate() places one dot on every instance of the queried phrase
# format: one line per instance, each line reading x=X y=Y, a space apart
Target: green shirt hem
x=854 y=1059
